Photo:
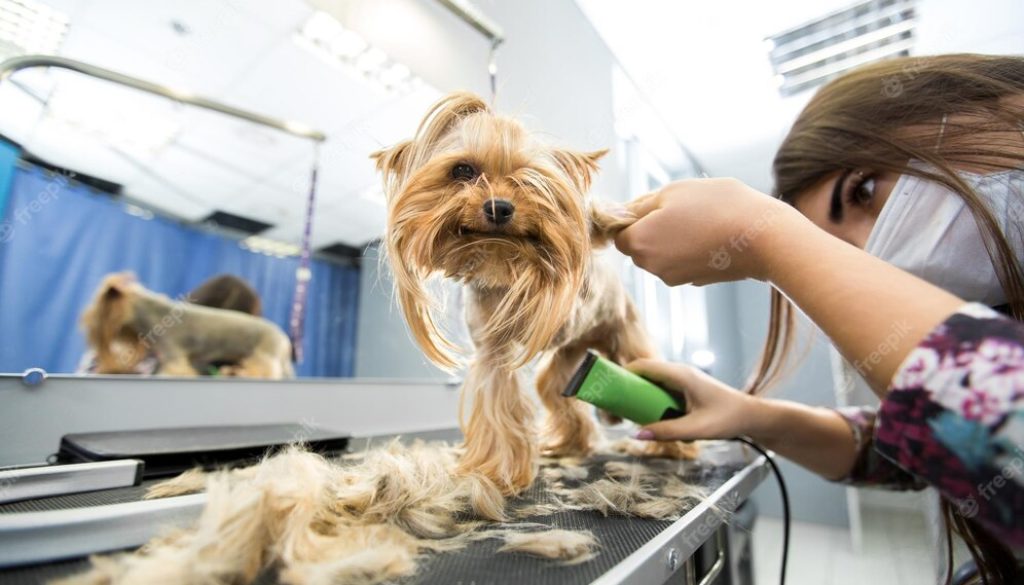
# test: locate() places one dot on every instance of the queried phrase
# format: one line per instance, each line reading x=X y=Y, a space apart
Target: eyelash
x=856 y=194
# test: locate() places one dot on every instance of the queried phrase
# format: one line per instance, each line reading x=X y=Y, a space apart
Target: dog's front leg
x=569 y=429
x=500 y=431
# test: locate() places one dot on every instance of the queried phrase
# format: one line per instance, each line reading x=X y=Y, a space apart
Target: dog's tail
x=104 y=324
x=606 y=221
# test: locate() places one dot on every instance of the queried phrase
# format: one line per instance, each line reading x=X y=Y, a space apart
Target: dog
x=475 y=198
x=125 y=323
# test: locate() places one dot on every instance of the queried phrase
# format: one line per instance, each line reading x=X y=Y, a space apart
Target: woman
x=931 y=181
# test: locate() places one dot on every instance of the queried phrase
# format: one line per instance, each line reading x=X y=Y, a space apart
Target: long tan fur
x=372 y=519
x=533 y=286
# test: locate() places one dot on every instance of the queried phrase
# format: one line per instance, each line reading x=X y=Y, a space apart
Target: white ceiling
x=705 y=67
x=239 y=53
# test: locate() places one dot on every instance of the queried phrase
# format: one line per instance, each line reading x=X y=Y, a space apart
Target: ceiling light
x=28 y=26
x=270 y=247
x=395 y=74
x=113 y=115
x=822 y=49
x=324 y=36
x=371 y=60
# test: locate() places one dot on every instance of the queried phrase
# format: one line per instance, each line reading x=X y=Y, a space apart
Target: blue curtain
x=58 y=239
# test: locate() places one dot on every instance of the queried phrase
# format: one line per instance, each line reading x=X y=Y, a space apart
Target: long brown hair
x=948 y=111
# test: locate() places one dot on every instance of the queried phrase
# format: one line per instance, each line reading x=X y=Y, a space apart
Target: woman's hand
x=713 y=409
x=703 y=231
x=817 y=438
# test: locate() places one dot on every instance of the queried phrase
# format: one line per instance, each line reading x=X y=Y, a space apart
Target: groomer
x=879 y=191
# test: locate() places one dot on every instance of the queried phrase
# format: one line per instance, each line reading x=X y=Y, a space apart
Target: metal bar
x=15 y=64
x=472 y=16
x=717 y=567
x=657 y=560
x=53 y=480
x=37 y=537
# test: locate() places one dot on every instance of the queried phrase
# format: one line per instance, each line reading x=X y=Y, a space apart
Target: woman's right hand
x=703 y=231
x=817 y=438
x=713 y=410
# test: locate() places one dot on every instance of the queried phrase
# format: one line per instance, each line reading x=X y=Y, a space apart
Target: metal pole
x=15 y=64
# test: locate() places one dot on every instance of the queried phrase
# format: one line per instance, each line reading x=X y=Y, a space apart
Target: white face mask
x=927 y=230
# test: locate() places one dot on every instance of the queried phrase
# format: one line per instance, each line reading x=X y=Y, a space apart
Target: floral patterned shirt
x=954 y=420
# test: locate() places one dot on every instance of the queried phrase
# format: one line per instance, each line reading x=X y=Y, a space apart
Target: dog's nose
x=498 y=211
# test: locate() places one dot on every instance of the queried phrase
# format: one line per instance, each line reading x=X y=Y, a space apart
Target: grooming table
x=34 y=416
x=632 y=550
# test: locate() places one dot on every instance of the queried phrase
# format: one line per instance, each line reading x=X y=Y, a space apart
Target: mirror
x=143 y=235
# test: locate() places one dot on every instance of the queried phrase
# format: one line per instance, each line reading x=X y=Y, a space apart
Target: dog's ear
x=397 y=162
x=606 y=221
x=393 y=162
x=579 y=166
x=446 y=113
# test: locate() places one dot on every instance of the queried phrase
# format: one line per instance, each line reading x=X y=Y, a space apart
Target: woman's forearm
x=874 y=313
x=816 y=438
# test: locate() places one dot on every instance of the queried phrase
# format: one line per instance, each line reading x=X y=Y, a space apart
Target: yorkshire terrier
x=125 y=323
x=475 y=198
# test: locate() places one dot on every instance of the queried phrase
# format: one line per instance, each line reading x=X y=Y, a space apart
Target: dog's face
x=105 y=321
x=474 y=197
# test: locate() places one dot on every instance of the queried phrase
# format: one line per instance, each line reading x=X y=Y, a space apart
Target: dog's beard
x=530 y=280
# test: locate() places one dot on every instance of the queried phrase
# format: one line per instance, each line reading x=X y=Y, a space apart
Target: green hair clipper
x=615 y=389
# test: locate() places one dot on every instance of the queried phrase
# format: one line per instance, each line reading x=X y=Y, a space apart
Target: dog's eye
x=463 y=172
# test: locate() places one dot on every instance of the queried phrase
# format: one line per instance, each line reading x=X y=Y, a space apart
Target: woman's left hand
x=703 y=231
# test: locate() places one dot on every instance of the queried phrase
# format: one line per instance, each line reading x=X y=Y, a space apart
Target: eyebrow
x=835 y=208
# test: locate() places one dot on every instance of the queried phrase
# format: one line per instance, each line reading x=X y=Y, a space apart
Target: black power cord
x=785 y=501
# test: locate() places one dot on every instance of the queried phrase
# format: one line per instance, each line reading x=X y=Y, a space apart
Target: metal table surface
x=632 y=550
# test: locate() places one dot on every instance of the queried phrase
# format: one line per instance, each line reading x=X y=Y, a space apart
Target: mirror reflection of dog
x=475 y=198
x=133 y=330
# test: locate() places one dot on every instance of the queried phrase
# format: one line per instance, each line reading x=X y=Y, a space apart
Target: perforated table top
x=628 y=546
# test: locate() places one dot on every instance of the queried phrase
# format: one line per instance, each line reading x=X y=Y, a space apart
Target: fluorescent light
x=328 y=39
x=270 y=247
x=395 y=74
x=819 y=50
x=29 y=26
x=138 y=211
x=113 y=115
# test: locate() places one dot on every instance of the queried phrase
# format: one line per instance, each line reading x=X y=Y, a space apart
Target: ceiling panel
x=253 y=150
x=67 y=146
x=291 y=83
x=139 y=38
x=166 y=197
x=198 y=179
